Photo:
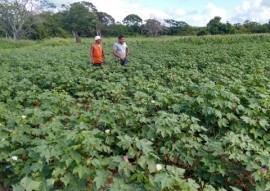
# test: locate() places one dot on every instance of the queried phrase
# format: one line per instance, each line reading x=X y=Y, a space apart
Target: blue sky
x=194 y=12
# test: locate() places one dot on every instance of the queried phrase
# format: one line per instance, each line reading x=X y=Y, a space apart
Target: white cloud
x=215 y=11
x=208 y=13
x=244 y=7
x=119 y=9
x=253 y=10
x=256 y=10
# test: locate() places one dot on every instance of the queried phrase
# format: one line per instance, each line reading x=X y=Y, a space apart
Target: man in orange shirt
x=97 y=53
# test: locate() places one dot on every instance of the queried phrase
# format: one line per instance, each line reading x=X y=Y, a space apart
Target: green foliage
x=82 y=19
x=79 y=17
x=215 y=27
x=202 y=32
x=189 y=114
x=49 y=26
x=132 y=20
x=177 y=27
x=133 y=23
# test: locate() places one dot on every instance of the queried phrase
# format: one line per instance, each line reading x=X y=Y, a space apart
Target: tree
x=153 y=27
x=16 y=16
x=116 y=30
x=49 y=25
x=176 y=27
x=216 y=27
x=132 y=20
x=79 y=18
x=227 y=28
x=250 y=25
x=202 y=32
x=3 y=19
x=104 y=19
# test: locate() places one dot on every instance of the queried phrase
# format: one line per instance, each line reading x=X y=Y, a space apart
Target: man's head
x=121 y=39
x=98 y=39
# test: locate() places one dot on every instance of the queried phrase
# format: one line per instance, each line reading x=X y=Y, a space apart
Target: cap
x=97 y=38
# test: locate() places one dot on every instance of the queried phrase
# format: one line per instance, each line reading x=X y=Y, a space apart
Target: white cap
x=97 y=38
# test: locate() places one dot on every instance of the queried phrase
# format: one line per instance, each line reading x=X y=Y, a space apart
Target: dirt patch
x=2 y=188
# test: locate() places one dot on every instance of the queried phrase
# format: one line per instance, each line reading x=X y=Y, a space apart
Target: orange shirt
x=97 y=53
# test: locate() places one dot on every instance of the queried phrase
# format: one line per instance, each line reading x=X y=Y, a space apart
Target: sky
x=194 y=12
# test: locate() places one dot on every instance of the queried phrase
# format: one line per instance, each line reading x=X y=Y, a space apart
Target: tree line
x=38 y=19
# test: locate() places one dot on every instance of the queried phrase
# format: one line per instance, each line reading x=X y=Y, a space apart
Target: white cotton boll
x=23 y=116
x=153 y=101
x=14 y=158
x=107 y=131
x=158 y=167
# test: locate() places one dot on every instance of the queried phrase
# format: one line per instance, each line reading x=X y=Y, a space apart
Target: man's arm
x=115 y=53
x=103 y=54
x=127 y=51
x=91 y=54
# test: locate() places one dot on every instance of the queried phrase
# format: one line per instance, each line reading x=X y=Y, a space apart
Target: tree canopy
x=34 y=19
x=132 y=20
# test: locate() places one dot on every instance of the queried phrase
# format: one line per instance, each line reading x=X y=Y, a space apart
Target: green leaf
x=101 y=178
x=234 y=188
x=77 y=157
x=223 y=122
x=249 y=121
x=151 y=163
x=66 y=179
x=164 y=179
x=81 y=170
x=119 y=184
x=263 y=123
x=47 y=185
x=209 y=188
x=193 y=185
x=145 y=146
x=142 y=161
x=125 y=141
x=18 y=187
x=148 y=161
x=58 y=171
x=29 y=184
x=68 y=161
x=96 y=162
x=267 y=186
x=218 y=114
x=140 y=177
x=175 y=171
x=221 y=189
